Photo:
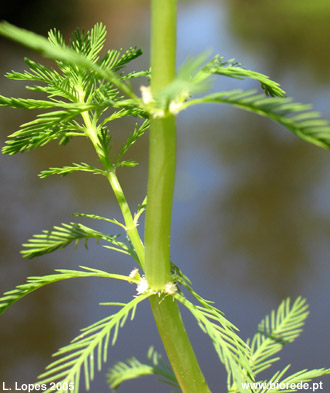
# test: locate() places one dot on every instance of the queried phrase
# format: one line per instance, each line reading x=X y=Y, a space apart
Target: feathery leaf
x=89 y=84
x=140 y=210
x=62 y=236
x=234 y=69
x=299 y=377
x=297 y=117
x=36 y=282
x=95 y=217
x=133 y=368
x=47 y=127
x=132 y=138
x=55 y=49
x=233 y=352
x=231 y=349
x=88 y=351
x=276 y=330
x=114 y=59
x=293 y=383
x=66 y=170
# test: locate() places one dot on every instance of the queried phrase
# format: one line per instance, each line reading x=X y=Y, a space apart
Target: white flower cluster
x=176 y=105
x=174 y=108
x=134 y=273
x=146 y=95
x=143 y=285
x=170 y=288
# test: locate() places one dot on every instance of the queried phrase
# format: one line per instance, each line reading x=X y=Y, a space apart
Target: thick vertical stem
x=162 y=149
x=162 y=154
x=162 y=157
x=163 y=42
x=177 y=345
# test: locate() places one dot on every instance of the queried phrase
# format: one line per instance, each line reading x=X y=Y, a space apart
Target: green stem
x=131 y=229
x=162 y=157
x=162 y=149
x=177 y=345
x=161 y=178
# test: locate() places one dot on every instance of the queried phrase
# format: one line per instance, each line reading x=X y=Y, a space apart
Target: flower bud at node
x=175 y=107
x=143 y=286
x=134 y=273
x=170 y=288
x=146 y=95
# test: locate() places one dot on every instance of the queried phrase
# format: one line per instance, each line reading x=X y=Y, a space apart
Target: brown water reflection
x=266 y=217
x=254 y=229
x=291 y=33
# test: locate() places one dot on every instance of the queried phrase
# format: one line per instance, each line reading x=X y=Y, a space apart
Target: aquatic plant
x=85 y=91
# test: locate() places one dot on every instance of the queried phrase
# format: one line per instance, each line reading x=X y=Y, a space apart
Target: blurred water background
x=251 y=219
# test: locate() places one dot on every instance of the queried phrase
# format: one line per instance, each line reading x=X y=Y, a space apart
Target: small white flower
x=134 y=273
x=170 y=288
x=175 y=107
x=146 y=95
x=158 y=113
x=143 y=286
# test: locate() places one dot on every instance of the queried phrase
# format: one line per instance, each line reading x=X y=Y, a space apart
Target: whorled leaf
x=132 y=138
x=233 y=69
x=39 y=132
x=292 y=383
x=232 y=351
x=56 y=49
x=88 y=351
x=277 y=329
x=87 y=82
x=66 y=170
x=62 y=236
x=298 y=118
x=36 y=282
x=133 y=368
x=96 y=217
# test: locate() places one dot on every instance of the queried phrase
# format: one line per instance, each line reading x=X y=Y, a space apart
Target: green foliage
x=294 y=116
x=83 y=87
x=233 y=352
x=68 y=58
x=274 y=384
x=34 y=283
x=297 y=378
x=276 y=330
x=95 y=217
x=132 y=138
x=85 y=91
x=279 y=328
x=233 y=69
x=193 y=78
x=66 y=170
x=95 y=87
x=133 y=369
x=140 y=210
x=62 y=236
x=93 y=341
